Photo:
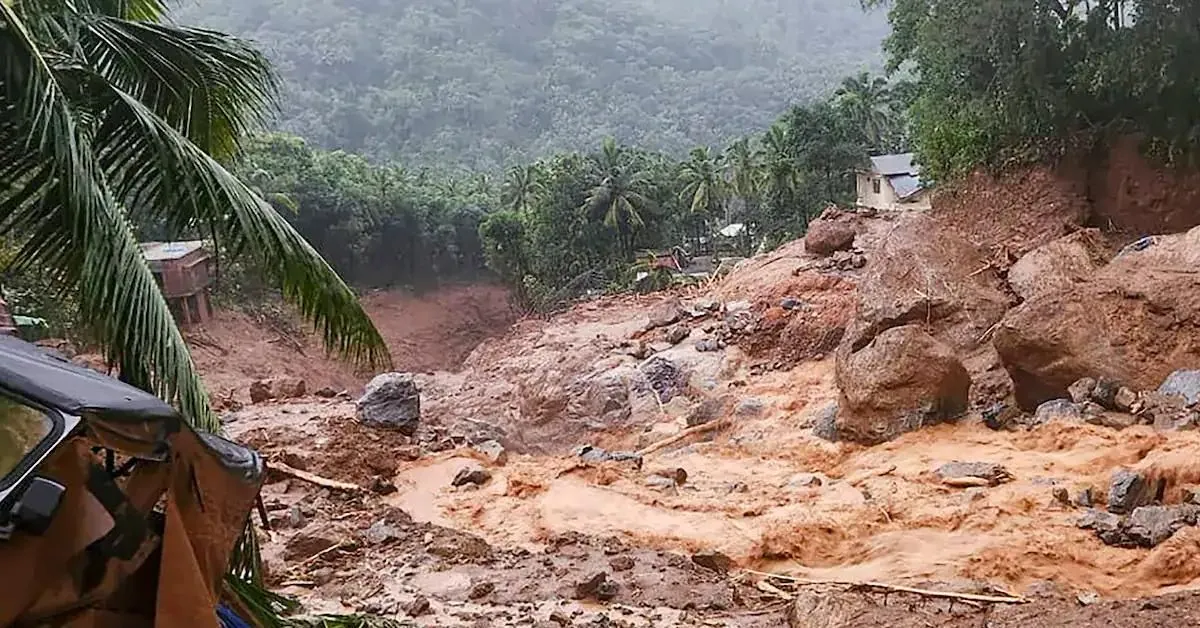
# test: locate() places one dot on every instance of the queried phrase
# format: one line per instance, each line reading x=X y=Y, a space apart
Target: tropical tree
x=743 y=174
x=618 y=194
x=112 y=116
x=521 y=188
x=867 y=102
x=704 y=191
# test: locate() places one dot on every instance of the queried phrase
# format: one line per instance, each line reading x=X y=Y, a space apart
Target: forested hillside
x=486 y=83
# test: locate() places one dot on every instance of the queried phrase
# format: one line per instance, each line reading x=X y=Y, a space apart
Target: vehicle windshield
x=22 y=428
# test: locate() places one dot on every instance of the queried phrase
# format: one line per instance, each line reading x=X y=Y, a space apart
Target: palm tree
x=780 y=176
x=522 y=187
x=618 y=194
x=704 y=190
x=112 y=116
x=867 y=103
x=743 y=174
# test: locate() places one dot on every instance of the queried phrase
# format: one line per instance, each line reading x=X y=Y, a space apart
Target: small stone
x=621 y=563
x=607 y=590
x=1057 y=410
x=1061 y=495
x=678 y=334
x=1190 y=494
x=295 y=518
x=327 y=392
x=791 y=303
x=1106 y=526
x=418 y=607
x=1124 y=399
x=381 y=532
x=1105 y=393
x=260 y=391
x=1116 y=421
x=1085 y=497
x=1087 y=598
x=708 y=345
x=382 y=486
x=749 y=407
x=493 y=451
x=477 y=476
x=806 y=480
x=1127 y=491
x=590 y=587
x=661 y=483
x=322 y=576
x=714 y=561
x=1081 y=390
x=409 y=453
x=825 y=424
x=560 y=618
x=481 y=590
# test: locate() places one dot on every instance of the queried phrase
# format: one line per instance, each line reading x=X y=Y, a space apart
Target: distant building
x=182 y=272
x=892 y=183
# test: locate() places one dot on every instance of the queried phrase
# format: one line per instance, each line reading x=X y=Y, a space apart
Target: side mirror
x=34 y=511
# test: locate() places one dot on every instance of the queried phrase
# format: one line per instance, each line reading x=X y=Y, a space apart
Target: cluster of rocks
x=1173 y=405
x=1135 y=515
x=831 y=238
x=718 y=324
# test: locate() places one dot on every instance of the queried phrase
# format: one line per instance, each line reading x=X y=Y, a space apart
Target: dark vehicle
x=113 y=511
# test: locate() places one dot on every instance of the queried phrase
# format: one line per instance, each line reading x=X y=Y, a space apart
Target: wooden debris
x=894 y=588
x=689 y=432
x=315 y=479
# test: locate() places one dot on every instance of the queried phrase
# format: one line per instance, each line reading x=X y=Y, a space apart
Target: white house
x=892 y=183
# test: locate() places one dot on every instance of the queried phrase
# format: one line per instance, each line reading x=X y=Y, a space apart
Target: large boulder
x=903 y=380
x=825 y=237
x=923 y=274
x=1135 y=322
x=392 y=401
x=1059 y=264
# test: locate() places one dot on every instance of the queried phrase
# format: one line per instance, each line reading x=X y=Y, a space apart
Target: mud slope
x=431 y=331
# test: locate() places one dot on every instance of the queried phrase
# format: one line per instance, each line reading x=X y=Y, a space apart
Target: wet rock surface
x=392 y=401
x=903 y=380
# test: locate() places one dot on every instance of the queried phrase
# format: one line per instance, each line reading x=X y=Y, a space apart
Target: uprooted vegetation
x=933 y=418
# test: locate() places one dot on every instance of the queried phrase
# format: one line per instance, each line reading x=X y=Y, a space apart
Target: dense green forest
x=488 y=83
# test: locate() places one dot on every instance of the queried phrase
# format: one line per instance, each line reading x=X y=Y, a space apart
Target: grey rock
x=381 y=532
x=392 y=401
x=1125 y=399
x=1184 y=384
x=596 y=586
x=678 y=334
x=1128 y=490
x=1190 y=494
x=664 y=376
x=661 y=483
x=326 y=392
x=322 y=576
x=621 y=563
x=493 y=451
x=1081 y=390
x=714 y=561
x=1106 y=526
x=806 y=480
x=791 y=303
x=471 y=475
x=1148 y=526
x=1105 y=393
x=418 y=607
x=295 y=517
x=708 y=345
x=1114 y=420
x=1061 y=495
x=1057 y=410
x=706 y=411
x=825 y=425
x=994 y=473
x=749 y=407
x=666 y=313
x=1086 y=497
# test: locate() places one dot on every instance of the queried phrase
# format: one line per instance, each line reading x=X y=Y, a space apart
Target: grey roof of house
x=892 y=165
x=164 y=251
x=905 y=185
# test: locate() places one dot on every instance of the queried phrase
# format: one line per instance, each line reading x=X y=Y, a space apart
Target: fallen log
x=312 y=478
x=691 y=431
x=895 y=588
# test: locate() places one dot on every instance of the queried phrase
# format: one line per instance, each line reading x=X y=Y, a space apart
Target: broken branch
x=894 y=588
x=691 y=431
x=316 y=479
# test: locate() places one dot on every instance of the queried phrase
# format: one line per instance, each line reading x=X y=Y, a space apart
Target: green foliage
x=376 y=224
x=109 y=117
x=488 y=83
x=1003 y=80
